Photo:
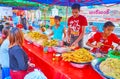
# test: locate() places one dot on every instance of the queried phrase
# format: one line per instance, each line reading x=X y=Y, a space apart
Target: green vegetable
x=116 y=53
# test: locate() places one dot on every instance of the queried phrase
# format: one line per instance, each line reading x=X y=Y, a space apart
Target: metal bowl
x=61 y=49
x=80 y=65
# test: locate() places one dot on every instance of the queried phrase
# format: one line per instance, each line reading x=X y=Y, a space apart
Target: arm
x=68 y=35
x=50 y=34
x=80 y=36
x=116 y=39
x=52 y=31
x=93 y=39
x=69 y=32
x=91 y=45
x=64 y=32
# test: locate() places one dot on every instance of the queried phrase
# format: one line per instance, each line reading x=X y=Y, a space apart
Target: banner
x=6 y=11
x=102 y=14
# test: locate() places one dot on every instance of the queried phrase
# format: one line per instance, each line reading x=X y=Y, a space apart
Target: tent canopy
x=35 y=4
x=19 y=4
x=81 y=2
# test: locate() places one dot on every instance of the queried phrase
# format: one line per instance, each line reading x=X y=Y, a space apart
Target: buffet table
x=57 y=69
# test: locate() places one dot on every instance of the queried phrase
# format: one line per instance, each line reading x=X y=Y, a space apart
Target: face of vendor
x=75 y=12
x=108 y=30
x=57 y=21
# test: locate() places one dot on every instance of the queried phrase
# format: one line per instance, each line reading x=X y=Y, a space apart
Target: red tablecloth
x=57 y=69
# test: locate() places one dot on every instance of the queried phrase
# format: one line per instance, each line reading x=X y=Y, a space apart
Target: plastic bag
x=36 y=74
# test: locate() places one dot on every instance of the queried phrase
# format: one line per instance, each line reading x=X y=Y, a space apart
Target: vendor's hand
x=99 y=44
x=98 y=55
x=118 y=48
x=65 y=39
x=75 y=44
x=68 y=40
x=112 y=47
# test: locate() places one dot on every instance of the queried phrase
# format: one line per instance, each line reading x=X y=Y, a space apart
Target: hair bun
x=3 y=36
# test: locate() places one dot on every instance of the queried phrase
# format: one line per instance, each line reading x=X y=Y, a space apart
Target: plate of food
x=78 y=58
x=61 y=49
x=107 y=67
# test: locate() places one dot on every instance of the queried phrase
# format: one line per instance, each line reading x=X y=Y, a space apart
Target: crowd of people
x=13 y=56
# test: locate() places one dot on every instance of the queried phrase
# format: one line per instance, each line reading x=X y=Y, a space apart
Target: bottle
x=45 y=49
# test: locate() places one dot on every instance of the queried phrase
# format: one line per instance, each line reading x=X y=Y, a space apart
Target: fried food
x=116 y=53
x=79 y=56
x=50 y=43
x=36 y=36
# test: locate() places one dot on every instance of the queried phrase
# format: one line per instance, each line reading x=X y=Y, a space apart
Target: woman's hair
x=108 y=23
x=16 y=36
x=5 y=32
x=58 y=17
x=7 y=24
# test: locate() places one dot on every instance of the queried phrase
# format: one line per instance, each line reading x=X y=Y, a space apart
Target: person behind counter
x=103 y=39
x=76 y=27
x=23 y=21
x=58 y=29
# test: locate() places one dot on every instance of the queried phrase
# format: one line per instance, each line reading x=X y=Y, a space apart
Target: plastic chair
x=5 y=72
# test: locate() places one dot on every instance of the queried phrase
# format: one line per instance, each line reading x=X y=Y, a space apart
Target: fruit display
x=79 y=56
x=111 y=67
x=50 y=43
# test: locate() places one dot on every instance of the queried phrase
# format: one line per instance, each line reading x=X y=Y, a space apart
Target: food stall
x=61 y=62
x=64 y=66
x=56 y=68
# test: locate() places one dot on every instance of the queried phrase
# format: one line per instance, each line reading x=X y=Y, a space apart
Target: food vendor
x=76 y=27
x=58 y=29
x=103 y=39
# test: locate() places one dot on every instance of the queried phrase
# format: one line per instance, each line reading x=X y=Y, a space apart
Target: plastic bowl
x=111 y=55
x=80 y=65
x=61 y=49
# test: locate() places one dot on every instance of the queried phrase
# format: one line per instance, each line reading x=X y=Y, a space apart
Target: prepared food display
x=78 y=56
x=111 y=67
x=36 y=37
x=116 y=53
x=50 y=43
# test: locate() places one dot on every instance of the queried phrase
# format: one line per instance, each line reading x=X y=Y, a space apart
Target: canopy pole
x=66 y=14
x=45 y=16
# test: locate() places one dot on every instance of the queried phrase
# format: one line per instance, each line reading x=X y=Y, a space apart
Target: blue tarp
x=81 y=2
